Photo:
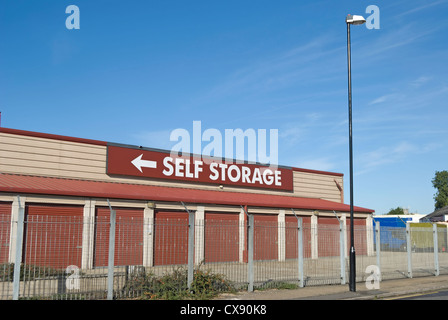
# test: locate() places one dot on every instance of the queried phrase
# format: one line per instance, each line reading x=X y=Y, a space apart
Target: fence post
x=191 y=221
x=409 y=249
x=190 y=258
x=436 y=249
x=250 y=252
x=342 y=250
x=300 y=252
x=378 y=249
x=299 y=249
x=341 y=247
x=18 y=252
x=110 y=267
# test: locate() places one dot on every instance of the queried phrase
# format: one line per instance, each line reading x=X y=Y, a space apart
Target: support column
x=281 y=235
x=314 y=239
x=88 y=234
x=199 y=248
x=148 y=237
x=242 y=236
x=13 y=228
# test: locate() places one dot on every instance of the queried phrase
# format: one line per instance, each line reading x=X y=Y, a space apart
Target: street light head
x=354 y=19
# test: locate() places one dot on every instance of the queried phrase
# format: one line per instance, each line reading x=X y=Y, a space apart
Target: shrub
x=174 y=285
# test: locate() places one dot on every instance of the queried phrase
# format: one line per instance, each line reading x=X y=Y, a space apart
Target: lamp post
x=355 y=20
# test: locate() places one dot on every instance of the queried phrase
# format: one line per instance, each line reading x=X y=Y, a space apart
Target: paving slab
x=388 y=288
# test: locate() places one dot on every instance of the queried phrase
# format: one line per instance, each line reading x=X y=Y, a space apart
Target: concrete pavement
x=387 y=289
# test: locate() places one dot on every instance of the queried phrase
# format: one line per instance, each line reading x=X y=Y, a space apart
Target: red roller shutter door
x=360 y=235
x=328 y=237
x=265 y=237
x=291 y=233
x=53 y=235
x=5 y=229
x=170 y=238
x=221 y=237
x=128 y=237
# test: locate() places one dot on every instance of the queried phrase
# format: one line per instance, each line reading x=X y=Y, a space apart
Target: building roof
x=437 y=215
x=24 y=184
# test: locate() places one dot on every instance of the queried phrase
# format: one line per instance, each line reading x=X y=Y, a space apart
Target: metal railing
x=60 y=257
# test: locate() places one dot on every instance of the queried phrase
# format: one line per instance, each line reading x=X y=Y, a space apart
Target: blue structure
x=392 y=232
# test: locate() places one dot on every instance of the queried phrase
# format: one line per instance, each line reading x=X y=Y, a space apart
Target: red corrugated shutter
x=128 y=237
x=221 y=237
x=328 y=238
x=266 y=237
x=170 y=238
x=53 y=235
x=360 y=235
x=5 y=229
x=291 y=233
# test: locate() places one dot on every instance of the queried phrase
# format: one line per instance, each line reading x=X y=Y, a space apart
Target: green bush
x=174 y=286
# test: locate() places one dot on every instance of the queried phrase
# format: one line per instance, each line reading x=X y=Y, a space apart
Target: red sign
x=163 y=165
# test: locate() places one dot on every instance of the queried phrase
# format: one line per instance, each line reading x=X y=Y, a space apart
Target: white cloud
x=387 y=155
x=291 y=135
x=420 y=81
x=425 y=6
x=379 y=99
x=281 y=69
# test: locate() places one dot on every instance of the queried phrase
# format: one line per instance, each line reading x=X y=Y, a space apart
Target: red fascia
x=12 y=183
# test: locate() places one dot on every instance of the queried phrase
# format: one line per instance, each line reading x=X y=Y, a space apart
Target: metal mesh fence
x=67 y=257
x=394 y=258
x=323 y=267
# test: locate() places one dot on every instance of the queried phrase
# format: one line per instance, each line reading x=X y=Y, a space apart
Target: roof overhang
x=11 y=183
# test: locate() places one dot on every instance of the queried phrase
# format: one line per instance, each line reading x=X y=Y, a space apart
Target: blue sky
x=136 y=70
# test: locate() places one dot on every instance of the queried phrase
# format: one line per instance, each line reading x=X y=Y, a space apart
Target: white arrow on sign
x=139 y=163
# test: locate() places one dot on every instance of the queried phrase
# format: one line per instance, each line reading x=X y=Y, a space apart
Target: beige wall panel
x=66 y=159
x=51 y=159
x=75 y=154
x=311 y=180
x=62 y=167
x=25 y=141
x=299 y=212
x=122 y=203
x=50 y=172
x=214 y=209
x=7 y=197
x=316 y=188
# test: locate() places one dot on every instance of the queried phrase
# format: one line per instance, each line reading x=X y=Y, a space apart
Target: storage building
x=67 y=182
